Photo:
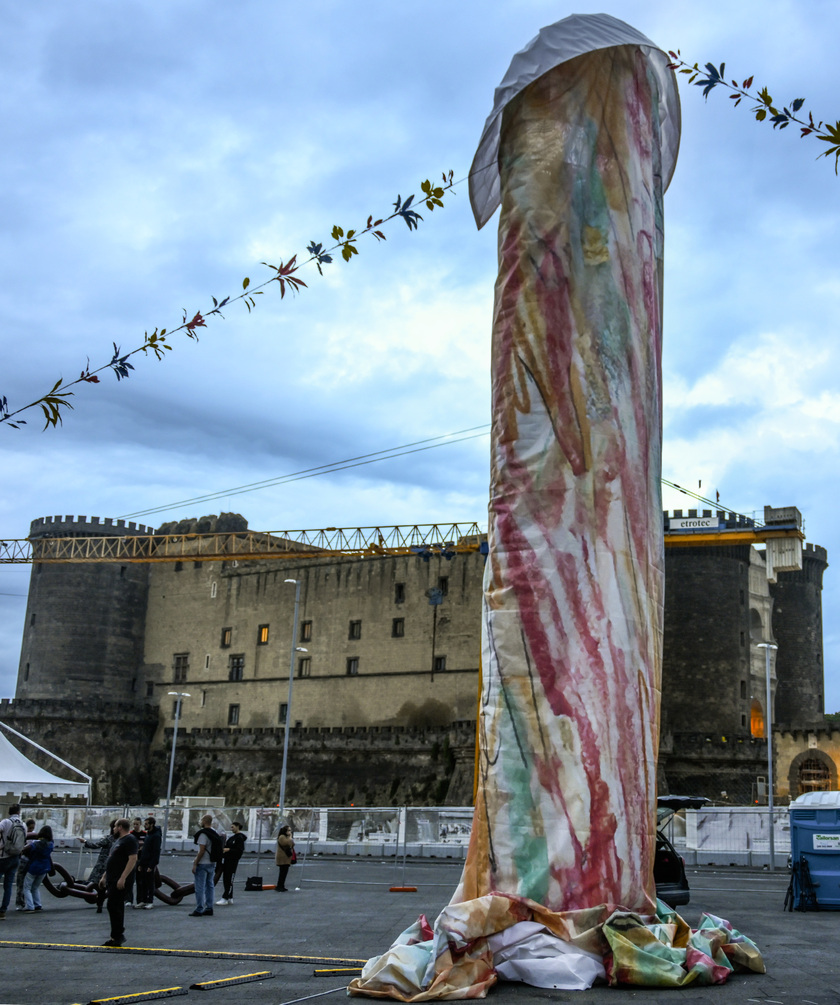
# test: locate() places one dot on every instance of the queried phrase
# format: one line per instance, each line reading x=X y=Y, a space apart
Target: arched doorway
x=756 y=720
x=811 y=771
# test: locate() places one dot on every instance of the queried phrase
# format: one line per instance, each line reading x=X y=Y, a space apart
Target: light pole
x=768 y=728
x=178 y=696
x=294 y=650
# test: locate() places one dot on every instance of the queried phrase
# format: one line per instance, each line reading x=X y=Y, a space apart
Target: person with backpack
x=39 y=853
x=12 y=843
x=210 y=846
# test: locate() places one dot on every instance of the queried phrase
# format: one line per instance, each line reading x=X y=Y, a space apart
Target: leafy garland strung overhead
x=158 y=342
x=763 y=107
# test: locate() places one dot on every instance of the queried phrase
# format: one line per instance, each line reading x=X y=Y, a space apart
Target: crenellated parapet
x=82 y=526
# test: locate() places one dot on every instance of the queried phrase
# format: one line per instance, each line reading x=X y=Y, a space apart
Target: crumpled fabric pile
x=473 y=945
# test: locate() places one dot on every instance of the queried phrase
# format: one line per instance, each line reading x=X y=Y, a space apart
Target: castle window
x=32 y=619
x=306 y=631
x=352 y=666
x=283 y=714
x=179 y=566
x=743 y=640
x=213 y=590
x=743 y=720
x=236 y=667
x=304 y=666
x=399 y=593
x=207 y=662
x=233 y=715
x=355 y=631
x=150 y=689
x=203 y=698
x=122 y=572
x=443 y=585
x=181 y=664
x=26 y=672
x=398 y=628
x=440 y=663
x=756 y=720
x=175 y=714
x=227 y=634
x=262 y=635
x=743 y=689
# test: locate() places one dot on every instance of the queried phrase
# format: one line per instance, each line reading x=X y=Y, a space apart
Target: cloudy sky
x=156 y=152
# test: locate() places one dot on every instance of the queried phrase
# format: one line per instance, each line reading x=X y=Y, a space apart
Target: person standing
x=210 y=845
x=12 y=843
x=234 y=847
x=23 y=866
x=119 y=867
x=284 y=856
x=104 y=844
x=40 y=863
x=147 y=862
x=139 y=835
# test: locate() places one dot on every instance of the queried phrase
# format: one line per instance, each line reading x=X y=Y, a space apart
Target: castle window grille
x=352 y=666
x=181 y=665
x=355 y=630
x=440 y=664
x=283 y=714
x=236 y=667
x=306 y=631
x=262 y=635
x=443 y=585
x=398 y=628
x=813 y=776
x=233 y=715
x=304 y=666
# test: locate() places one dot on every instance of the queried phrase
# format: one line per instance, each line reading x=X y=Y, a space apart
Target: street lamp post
x=768 y=728
x=179 y=695
x=293 y=651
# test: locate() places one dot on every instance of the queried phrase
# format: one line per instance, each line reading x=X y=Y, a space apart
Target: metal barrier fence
x=720 y=835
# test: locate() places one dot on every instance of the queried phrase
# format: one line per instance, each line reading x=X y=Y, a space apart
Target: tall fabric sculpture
x=578 y=151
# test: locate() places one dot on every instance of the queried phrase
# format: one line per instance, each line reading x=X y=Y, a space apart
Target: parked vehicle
x=668 y=867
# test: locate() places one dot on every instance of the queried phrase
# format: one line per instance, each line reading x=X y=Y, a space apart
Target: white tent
x=19 y=777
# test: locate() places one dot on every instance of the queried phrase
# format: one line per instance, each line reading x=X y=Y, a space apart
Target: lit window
x=304 y=666
x=306 y=631
x=236 y=667
x=398 y=628
x=355 y=631
x=262 y=635
x=352 y=666
x=180 y=668
x=233 y=715
x=227 y=634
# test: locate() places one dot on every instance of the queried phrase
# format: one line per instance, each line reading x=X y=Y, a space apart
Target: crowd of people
x=129 y=855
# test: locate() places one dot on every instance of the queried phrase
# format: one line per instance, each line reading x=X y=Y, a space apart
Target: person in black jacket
x=234 y=847
x=147 y=863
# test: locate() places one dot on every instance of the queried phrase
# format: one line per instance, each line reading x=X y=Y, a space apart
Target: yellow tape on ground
x=195 y=953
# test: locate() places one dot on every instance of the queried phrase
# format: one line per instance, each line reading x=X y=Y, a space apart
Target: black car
x=668 y=868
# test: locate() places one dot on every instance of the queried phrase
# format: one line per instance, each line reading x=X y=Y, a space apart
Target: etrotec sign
x=693 y=523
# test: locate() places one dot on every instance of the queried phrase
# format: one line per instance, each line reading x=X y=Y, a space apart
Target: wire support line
x=323 y=469
x=320 y=994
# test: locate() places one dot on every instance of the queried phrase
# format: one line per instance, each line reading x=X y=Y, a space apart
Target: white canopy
x=20 y=777
x=557 y=44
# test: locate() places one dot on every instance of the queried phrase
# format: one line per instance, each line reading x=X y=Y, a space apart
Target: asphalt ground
x=338 y=911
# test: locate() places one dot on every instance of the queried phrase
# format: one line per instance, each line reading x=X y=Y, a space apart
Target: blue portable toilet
x=815 y=839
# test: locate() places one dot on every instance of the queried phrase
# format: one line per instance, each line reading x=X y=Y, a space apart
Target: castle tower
x=797 y=629
x=83 y=636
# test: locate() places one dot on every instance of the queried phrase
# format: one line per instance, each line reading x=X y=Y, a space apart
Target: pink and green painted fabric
x=564 y=828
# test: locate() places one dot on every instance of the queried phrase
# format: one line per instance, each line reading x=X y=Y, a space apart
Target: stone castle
x=385 y=681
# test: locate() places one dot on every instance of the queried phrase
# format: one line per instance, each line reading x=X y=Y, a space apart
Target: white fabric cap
x=557 y=44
